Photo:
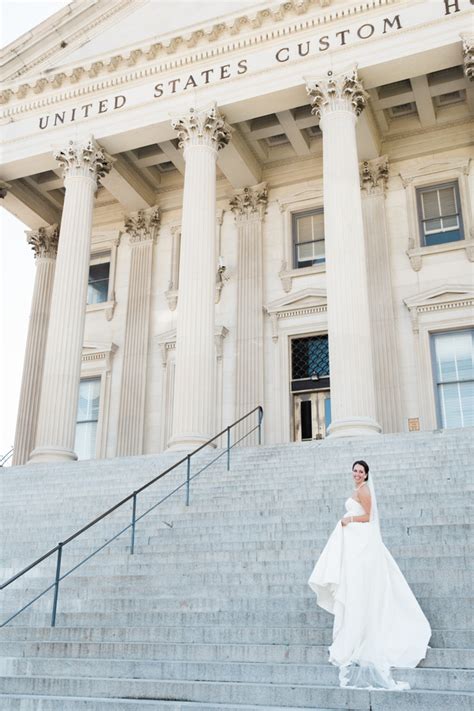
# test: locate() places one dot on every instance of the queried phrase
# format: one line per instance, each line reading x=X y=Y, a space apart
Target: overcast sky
x=16 y=258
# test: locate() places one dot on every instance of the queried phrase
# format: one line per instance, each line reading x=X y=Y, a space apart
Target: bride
x=378 y=623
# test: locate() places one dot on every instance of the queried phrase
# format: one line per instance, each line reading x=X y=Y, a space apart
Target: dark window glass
x=98 y=287
x=309 y=357
x=439 y=214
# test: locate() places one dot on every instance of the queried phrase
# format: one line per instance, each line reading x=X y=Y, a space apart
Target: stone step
x=22 y=702
x=220 y=671
x=209 y=634
x=436 y=609
x=305 y=696
x=256 y=653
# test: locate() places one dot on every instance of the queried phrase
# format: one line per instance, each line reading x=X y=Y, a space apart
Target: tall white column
x=249 y=207
x=202 y=133
x=84 y=163
x=374 y=178
x=338 y=101
x=44 y=242
x=142 y=229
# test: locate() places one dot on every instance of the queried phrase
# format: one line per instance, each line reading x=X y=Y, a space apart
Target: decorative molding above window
x=441 y=298
x=438 y=173
x=302 y=303
x=299 y=202
x=104 y=249
x=167 y=342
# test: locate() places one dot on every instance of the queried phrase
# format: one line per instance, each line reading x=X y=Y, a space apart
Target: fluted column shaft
x=83 y=164
x=142 y=229
x=201 y=134
x=45 y=244
x=338 y=101
x=374 y=177
x=249 y=208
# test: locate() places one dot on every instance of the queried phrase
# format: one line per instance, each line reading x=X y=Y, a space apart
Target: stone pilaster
x=202 y=134
x=44 y=243
x=374 y=178
x=84 y=163
x=249 y=207
x=338 y=101
x=142 y=229
x=468 y=53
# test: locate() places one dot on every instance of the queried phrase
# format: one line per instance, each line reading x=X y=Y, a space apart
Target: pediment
x=448 y=293
x=298 y=301
x=90 y=31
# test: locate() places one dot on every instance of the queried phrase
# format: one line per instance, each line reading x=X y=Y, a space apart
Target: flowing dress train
x=378 y=624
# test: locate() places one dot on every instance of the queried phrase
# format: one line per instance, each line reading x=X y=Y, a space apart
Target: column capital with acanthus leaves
x=206 y=127
x=84 y=158
x=337 y=92
x=44 y=241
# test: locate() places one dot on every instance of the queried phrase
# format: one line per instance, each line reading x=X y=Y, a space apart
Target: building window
x=308 y=238
x=309 y=363
x=454 y=378
x=439 y=214
x=98 y=286
x=87 y=418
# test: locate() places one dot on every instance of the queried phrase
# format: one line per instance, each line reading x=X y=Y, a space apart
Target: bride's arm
x=364 y=499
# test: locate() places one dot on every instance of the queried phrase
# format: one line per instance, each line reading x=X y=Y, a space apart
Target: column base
x=187 y=442
x=354 y=427
x=51 y=454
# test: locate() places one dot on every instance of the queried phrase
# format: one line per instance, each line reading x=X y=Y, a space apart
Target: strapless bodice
x=354 y=508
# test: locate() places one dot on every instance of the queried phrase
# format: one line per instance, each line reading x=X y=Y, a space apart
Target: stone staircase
x=213 y=610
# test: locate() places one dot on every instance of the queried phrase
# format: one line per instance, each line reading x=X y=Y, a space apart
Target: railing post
x=134 y=519
x=228 y=449
x=260 y=418
x=188 y=478
x=56 y=584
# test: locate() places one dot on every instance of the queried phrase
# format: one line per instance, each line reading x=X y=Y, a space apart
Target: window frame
x=436 y=383
x=306 y=200
x=431 y=188
x=84 y=379
x=95 y=261
x=431 y=175
x=295 y=216
x=104 y=249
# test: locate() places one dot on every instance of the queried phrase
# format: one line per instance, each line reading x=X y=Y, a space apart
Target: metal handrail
x=4 y=459
x=133 y=497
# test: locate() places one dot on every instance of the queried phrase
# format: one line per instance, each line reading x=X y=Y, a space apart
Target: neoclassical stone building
x=270 y=206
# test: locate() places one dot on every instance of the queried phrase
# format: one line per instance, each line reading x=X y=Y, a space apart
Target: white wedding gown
x=378 y=623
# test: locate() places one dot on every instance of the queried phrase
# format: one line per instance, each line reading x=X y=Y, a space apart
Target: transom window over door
x=454 y=377
x=308 y=238
x=439 y=214
x=87 y=418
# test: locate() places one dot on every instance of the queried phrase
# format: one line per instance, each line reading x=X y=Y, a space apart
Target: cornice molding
x=140 y=57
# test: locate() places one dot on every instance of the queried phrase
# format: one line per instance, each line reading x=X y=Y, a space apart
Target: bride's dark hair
x=362 y=464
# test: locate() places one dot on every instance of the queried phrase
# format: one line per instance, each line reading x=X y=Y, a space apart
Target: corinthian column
x=83 y=163
x=374 y=179
x=338 y=101
x=142 y=229
x=202 y=134
x=249 y=207
x=44 y=242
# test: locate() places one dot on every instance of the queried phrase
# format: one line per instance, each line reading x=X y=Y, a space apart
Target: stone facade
x=298 y=111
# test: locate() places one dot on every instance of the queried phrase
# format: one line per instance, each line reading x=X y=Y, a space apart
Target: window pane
x=86 y=435
x=448 y=222
x=429 y=200
x=447 y=201
x=454 y=374
x=98 y=283
x=304 y=232
x=89 y=395
x=432 y=225
x=318 y=226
